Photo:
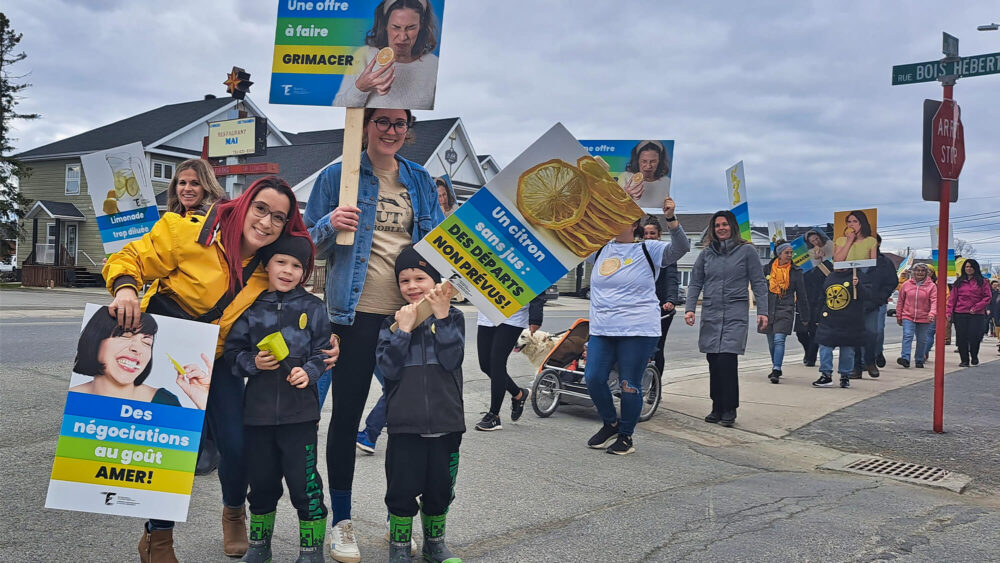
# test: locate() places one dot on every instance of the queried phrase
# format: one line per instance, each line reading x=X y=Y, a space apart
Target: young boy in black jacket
x=841 y=323
x=281 y=405
x=422 y=367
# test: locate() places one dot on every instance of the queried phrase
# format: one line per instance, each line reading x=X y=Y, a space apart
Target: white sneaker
x=413 y=544
x=343 y=546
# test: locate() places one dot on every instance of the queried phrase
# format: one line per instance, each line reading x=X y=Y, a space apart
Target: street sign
x=931 y=177
x=251 y=169
x=948 y=140
x=930 y=71
x=949 y=45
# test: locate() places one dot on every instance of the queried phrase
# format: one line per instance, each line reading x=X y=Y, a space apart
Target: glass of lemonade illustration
x=125 y=179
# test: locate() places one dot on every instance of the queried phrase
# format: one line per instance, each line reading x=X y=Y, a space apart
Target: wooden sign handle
x=854 y=286
x=424 y=307
x=350 y=165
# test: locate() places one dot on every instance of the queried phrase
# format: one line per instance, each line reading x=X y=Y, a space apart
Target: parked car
x=552 y=293
x=891 y=305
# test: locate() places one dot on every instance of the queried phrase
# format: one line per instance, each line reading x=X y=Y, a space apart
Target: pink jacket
x=969 y=297
x=917 y=303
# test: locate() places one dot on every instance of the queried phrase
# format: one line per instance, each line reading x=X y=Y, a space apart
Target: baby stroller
x=560 y=379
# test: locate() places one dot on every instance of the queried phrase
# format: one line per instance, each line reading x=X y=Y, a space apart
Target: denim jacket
x=346 y=266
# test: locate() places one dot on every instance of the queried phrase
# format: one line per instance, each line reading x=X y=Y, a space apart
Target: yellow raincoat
x=188 y=259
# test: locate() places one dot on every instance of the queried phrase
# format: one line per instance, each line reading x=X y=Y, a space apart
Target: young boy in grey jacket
x=422 y=366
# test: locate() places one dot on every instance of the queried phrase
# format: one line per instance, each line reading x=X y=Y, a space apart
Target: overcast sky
x=798 y=90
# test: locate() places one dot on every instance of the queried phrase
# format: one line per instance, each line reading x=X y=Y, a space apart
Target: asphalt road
x=533 y=491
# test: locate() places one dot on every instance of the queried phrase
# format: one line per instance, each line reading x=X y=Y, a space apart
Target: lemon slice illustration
x=132 y=186
x=385 y=56
x=553 y=194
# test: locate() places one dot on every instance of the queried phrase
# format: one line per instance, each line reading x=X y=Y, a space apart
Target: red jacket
x=969 y=297
x=917 y=303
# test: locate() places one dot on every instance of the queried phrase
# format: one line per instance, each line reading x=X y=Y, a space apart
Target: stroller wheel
x=545 y=393
x=650 y=392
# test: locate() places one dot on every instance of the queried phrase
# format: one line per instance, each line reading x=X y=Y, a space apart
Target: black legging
x=352 y=377
x=723 y=383
x=968 y=335
x=494 y=344
x=658 y=355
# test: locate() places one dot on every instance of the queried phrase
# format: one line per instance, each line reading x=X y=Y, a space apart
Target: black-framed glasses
x=383 y=124
x=260 y=209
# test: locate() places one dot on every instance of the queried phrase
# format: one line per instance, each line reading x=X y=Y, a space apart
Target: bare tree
x=964 y=248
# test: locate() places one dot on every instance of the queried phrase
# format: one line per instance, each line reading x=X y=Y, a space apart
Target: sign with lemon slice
x=122 y=194
x=550 y=208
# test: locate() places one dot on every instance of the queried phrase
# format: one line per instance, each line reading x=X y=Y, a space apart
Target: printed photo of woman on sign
x=647 y=177
x=399 y=62
x=820 y=247
x=855 y=244
x=115 y=362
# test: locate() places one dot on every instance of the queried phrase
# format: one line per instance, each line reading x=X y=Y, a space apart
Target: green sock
x=311 y=533
x=400 y=528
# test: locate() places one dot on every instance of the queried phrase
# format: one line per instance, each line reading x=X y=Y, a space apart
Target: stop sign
x=948 y=140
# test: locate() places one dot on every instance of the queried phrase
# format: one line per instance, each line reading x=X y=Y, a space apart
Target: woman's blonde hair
x=206 y=177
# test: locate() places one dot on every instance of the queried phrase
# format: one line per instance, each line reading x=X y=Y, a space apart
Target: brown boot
x=234 y=531
x=157 y=546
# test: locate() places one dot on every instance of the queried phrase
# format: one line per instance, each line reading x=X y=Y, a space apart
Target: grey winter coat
x=781 y=308
x=723 y=272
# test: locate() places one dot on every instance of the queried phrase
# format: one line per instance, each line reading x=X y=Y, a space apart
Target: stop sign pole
x=948 y=146
x=948 y=150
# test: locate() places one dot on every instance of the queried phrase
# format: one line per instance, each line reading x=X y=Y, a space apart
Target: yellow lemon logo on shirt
x=433 y=329
x=628 y=261
x=837 y=297
x=303 y=320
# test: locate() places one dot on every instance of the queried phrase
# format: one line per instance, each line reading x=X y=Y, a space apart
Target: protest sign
x=742 y=213
x=737 y=195
x=936 y=230
x=133 y=419
x=800 y=254
x=737 y=184
x=642 y=168
x=539 y=217
x=122 y=194
x=775 y=232
x=904 y=264
x=952 y=264
x=362 y=53
x=855 y=245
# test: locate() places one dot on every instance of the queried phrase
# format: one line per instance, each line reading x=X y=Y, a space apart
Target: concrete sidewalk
x=774 y=411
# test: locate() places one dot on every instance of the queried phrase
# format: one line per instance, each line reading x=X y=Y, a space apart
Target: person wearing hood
x=723 y=271
x=915 y=312
x=786 y=291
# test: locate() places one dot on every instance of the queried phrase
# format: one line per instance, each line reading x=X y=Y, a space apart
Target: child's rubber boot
x=400 y=534
x=261 y=530
x=311 y=535
x=435 y=550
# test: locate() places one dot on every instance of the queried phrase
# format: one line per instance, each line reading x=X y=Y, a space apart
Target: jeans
x=864 y=356
x=880 y=335
x=224 y=414
x=929 y=345
x=776 y=344
x=375 y=421
x=914 y=330
x=826 y=360
x=632 y=354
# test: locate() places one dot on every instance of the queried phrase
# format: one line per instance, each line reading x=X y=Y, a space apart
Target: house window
x=72 y=179
x=163 y=170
